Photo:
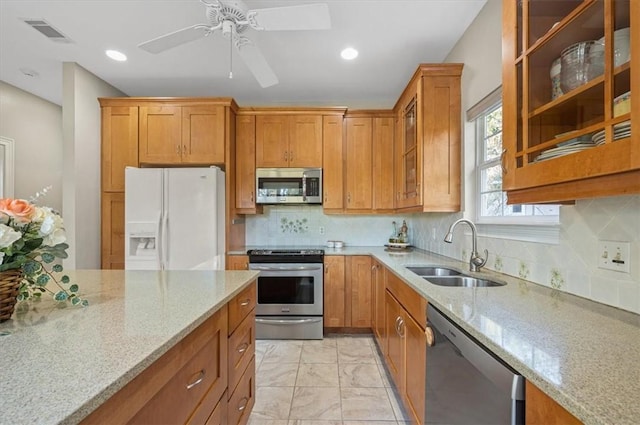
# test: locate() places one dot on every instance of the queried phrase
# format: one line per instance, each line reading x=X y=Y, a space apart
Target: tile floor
x=339 y=380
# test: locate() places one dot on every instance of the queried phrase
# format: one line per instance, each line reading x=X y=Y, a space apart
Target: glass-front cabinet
x=570 y=130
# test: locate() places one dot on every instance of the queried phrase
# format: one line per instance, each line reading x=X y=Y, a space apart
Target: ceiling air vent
x=45 y=28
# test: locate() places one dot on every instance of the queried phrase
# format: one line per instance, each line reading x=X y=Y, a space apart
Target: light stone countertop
x=58 y=365
x=583 y=354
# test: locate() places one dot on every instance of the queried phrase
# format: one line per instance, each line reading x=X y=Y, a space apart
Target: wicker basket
x=9 y=285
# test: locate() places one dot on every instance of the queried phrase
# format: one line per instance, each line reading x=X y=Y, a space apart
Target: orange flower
x=19 y=209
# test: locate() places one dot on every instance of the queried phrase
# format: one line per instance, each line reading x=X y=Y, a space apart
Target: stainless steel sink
x=433 y=271
x=462 y=281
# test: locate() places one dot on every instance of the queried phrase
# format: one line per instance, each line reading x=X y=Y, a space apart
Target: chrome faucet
x=475 y=262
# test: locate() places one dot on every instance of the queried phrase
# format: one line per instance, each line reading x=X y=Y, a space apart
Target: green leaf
x=75 y=301
x=31 y=267
x=73 y=288
x=60 y=296
x=48 y=258
x=57 y=268
x=42 y=280
x=65 y=279
x=85 y=303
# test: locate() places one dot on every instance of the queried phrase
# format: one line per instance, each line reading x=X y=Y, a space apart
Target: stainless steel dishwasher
x=466 y=384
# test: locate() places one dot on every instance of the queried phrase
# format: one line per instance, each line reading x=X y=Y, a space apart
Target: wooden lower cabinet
x=334 y=291
x=378 y=286
x=540 y=409
x=237 y=262
x=112 y=230
x=404 y=344
x=347 y=291
x=207 y=378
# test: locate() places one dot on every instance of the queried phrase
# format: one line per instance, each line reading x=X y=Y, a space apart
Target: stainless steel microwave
x=289 y=185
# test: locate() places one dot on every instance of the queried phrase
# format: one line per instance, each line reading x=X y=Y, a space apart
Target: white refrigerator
x=174 y=218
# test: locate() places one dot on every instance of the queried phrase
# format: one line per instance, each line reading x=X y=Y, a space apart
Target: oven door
x=289 y=289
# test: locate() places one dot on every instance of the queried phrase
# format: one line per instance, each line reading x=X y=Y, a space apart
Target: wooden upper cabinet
x=245 y=163
x=537 y=118
x=203 y=133
x=119 y=145
x=173 y=134
x=332 y=163
x=428 y=147
x=359 y=176
x=383 y=168
x=305 y=141
x=288 y=141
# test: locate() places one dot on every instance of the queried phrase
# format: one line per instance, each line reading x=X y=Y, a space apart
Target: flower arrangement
x=31 y=239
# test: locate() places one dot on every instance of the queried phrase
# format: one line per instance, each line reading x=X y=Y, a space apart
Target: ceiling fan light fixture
x=116 y=55
x=349 y=53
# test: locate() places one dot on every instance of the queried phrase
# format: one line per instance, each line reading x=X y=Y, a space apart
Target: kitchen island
x=584 y=355
x=60 y=364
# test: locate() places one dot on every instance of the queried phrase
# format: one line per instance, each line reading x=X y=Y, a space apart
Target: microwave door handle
x=304 y=187
x=285 y=269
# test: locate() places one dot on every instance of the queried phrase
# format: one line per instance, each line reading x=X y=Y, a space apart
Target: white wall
x=81 y=180
x=35 y=125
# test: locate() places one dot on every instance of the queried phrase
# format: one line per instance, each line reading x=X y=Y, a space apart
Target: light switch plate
x=614 y=255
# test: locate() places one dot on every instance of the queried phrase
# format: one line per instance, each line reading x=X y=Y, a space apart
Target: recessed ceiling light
x=116 y=55
x=349 y=53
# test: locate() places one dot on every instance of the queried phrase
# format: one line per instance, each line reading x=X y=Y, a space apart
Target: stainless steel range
x=290 y=293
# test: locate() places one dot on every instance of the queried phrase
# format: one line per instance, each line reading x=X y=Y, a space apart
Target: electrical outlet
x=321 y=230
x=614 y=255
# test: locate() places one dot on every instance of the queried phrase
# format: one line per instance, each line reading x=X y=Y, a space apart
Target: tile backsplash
x=570 y=265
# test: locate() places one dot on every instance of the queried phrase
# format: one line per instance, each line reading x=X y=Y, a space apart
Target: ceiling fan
x=233 y=18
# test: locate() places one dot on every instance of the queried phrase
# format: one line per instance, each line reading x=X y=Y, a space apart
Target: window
x=491 y=201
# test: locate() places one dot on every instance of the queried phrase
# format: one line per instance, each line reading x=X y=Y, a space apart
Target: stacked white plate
x=620 y=131
x=567 y=147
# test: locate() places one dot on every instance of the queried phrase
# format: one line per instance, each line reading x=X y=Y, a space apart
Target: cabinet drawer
x=204 y=373
x=204 y=414
x=242 y=347
x=243 y=398
x=241 y=305
x=415 y=305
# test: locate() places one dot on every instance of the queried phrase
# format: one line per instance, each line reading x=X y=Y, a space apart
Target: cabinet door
x=332 y=163
x=160 y=134
x=359 y=160
x=272 y=141
x=203 y=134
x=305 y=141
x=415 y=367
x=540 y=409
x=383 y=184
x=237 y=262
x=119 y=145
x=246 y=162
x=410 y=156
x=334 y=291
x=112 y=232
x=359 y=292
x=378 y=285
x=394 y=352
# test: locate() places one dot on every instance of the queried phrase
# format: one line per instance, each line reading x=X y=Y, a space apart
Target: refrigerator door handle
x=165 y=239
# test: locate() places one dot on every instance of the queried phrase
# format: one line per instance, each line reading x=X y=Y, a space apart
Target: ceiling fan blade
x=173 y=39
x=257 y=64
x=292 y=18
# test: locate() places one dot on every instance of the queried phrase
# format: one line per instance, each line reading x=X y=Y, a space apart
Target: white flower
x=8 y=236
x=52 y=227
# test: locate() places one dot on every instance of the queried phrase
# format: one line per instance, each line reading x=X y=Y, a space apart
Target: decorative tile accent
x=293 y=226
x=557 y=281
x=523 y=270
x=497 y=265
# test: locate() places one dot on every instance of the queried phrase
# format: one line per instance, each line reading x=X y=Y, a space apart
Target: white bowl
x=621 y=52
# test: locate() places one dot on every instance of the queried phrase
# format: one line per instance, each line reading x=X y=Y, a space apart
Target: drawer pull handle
x=243 y=404
x=197 y=381
x=245 y=303
x=242 y=347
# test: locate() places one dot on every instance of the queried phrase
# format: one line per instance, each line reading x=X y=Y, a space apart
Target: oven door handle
x=284 y=269
x=288 y=321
